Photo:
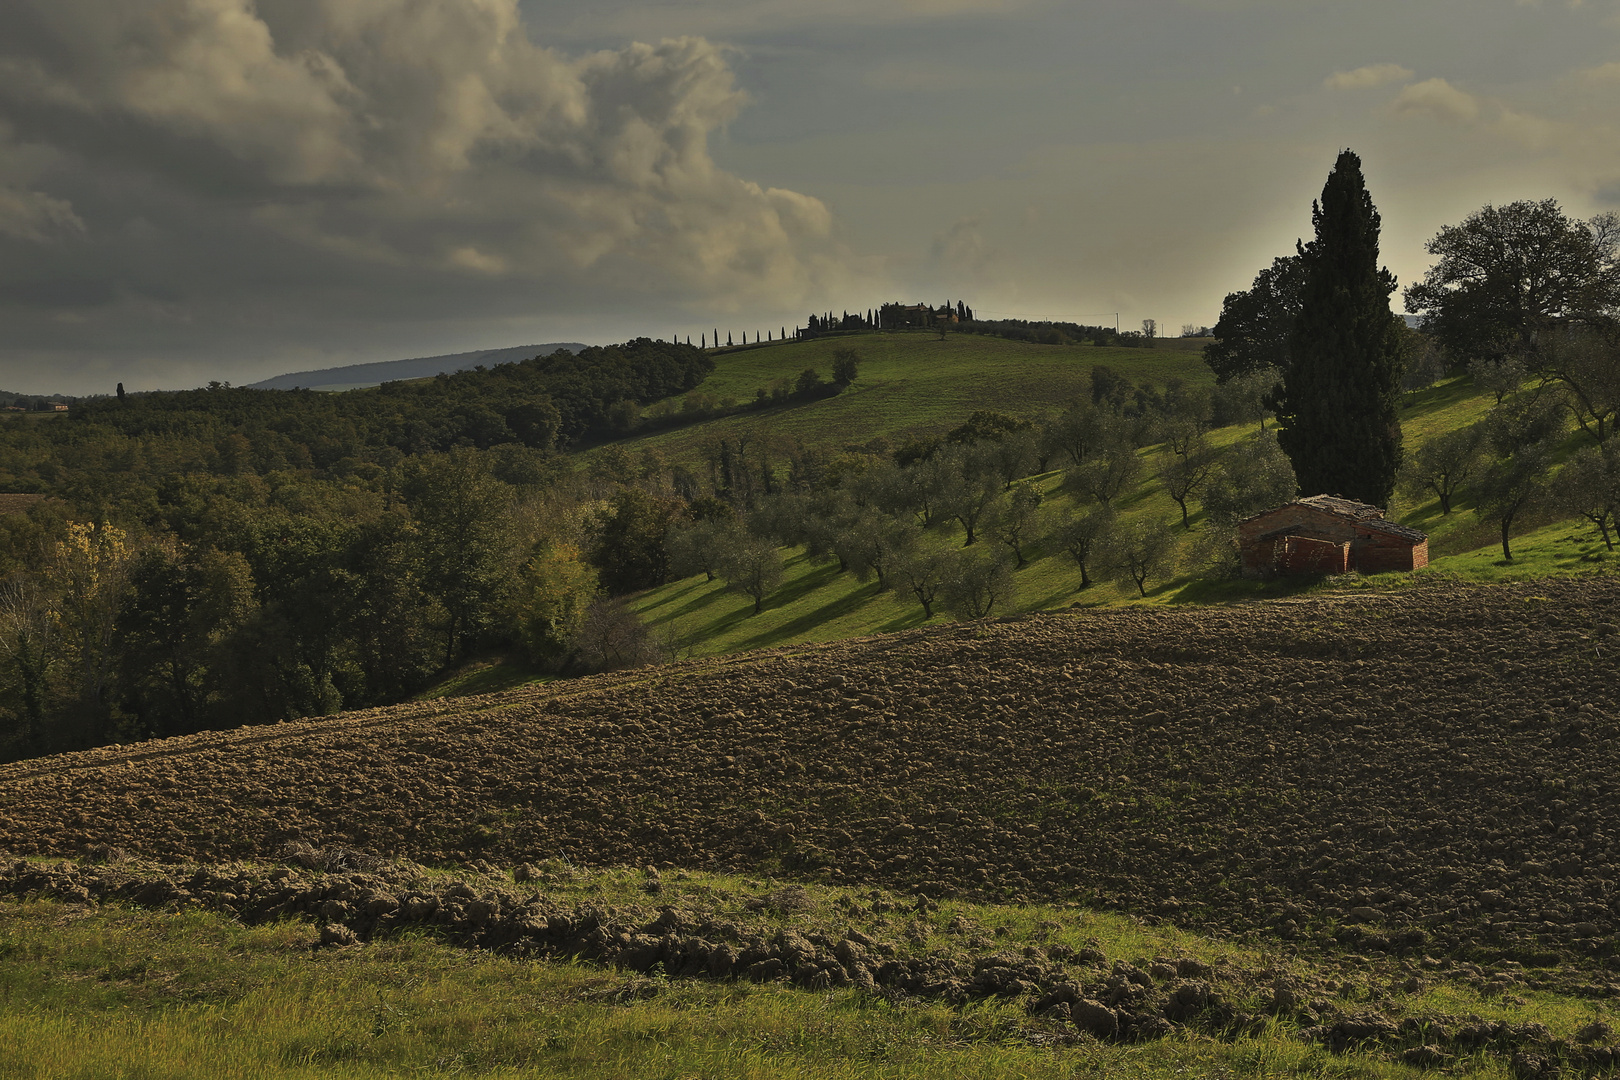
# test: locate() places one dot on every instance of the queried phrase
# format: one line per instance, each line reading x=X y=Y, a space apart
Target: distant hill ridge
x=357 y=375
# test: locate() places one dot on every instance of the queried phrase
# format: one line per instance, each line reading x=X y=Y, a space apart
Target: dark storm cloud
x=194 y=177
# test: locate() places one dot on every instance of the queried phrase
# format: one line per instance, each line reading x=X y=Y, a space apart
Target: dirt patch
x=1431 y=773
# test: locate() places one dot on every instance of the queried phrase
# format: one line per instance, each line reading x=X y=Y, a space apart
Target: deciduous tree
x=1104 y=475
x=1085 y=534
x=983 y=582
x=1143 y=551
x=1017 y=517
x=1185 y=474
x=1589 y=486
x=463 y=517
x=1250 y=476
x=1251 y=338
x=1512 y=488
x=1444 y=463
x=1508 y=273
x=925 y=571
x=749 y=564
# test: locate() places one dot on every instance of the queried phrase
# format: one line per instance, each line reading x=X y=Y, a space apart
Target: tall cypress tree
x=1338 y=400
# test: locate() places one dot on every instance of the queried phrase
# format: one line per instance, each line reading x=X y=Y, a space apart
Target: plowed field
x=1429 y=769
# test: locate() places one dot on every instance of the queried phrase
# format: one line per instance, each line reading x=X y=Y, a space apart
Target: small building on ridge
x=1324 y=534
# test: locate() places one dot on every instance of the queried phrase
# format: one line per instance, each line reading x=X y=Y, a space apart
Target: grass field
x=117 y=991
x=914 y=383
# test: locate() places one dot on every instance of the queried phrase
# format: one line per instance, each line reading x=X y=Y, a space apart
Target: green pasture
x=122 y=992
x=912 y=383
x=916 y=383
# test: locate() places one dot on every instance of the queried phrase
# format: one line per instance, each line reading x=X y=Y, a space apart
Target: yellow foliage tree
x=88 y=575
x=554 y=589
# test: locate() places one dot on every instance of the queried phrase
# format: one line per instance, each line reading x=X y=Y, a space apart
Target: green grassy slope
x=913 y=383
x=818 y=603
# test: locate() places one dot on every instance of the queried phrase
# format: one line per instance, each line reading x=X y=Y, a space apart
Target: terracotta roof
x=1405 y=532
x=1363 y=514
x=1345 y=508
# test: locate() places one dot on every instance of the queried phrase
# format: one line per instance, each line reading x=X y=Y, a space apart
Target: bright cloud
x=1437 y=97
x=1363 y=78
x=1603 y=73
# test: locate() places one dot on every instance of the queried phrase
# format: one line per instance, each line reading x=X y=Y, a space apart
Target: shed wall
x=1370 y=551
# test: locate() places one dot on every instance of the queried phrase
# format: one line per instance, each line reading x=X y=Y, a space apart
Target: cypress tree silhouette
x=1337 y=404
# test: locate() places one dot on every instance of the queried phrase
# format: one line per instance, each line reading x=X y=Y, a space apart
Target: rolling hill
x=1402 y=804
x=911 y=383
x=355 y=376
x=1266 y=768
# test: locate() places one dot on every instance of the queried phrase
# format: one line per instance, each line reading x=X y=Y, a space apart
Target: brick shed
x=1324 y=534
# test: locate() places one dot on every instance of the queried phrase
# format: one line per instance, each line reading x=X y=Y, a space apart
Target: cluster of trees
x=1505 y=464
x=35 y=402
x=897 y=316
x=224 y=556
x=947 y=521
x=199 y=567
x=1522 y=297
x=547 y=402
x=249 y=598
x=828 y=323
x=807 y=385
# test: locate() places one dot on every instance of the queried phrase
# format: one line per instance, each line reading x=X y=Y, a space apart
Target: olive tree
x=982 y=583
x=1143 y=551
x=1589 y=486
x=1444 y=464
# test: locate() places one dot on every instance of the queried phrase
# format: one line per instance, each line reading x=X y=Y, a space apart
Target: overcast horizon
x=218 y=189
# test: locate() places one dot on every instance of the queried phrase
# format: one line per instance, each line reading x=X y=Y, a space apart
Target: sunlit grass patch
x=122 y=993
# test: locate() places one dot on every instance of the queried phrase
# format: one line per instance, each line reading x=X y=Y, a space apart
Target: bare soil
x=1423 y=771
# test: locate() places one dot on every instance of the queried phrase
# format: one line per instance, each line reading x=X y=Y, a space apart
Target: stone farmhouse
x=1324 y=534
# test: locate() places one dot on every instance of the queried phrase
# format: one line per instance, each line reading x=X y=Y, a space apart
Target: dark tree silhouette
x=1338 y=399
x=1252 y=334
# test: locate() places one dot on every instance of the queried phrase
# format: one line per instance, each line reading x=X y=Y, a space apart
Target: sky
x=196 y=190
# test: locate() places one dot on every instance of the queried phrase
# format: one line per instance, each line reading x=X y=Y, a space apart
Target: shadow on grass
x=674 y=595
x=1442 y=395
x=800 y=626
x=1066 y=597
x=797 y=589
x=1230 y=590
x=911 y=619
x=704 y=599
x=489 y=677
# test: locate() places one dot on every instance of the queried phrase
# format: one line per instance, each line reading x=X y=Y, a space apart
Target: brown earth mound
x=1431 y=770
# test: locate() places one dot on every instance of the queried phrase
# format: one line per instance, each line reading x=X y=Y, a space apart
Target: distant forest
x=221 y=556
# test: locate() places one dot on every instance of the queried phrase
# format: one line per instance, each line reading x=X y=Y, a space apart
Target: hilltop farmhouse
x=1324 y=534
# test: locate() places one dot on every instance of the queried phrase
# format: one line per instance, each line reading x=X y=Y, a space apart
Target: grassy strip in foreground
x=116 y=991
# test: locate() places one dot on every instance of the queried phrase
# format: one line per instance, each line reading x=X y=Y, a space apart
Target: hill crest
x=352 y=376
